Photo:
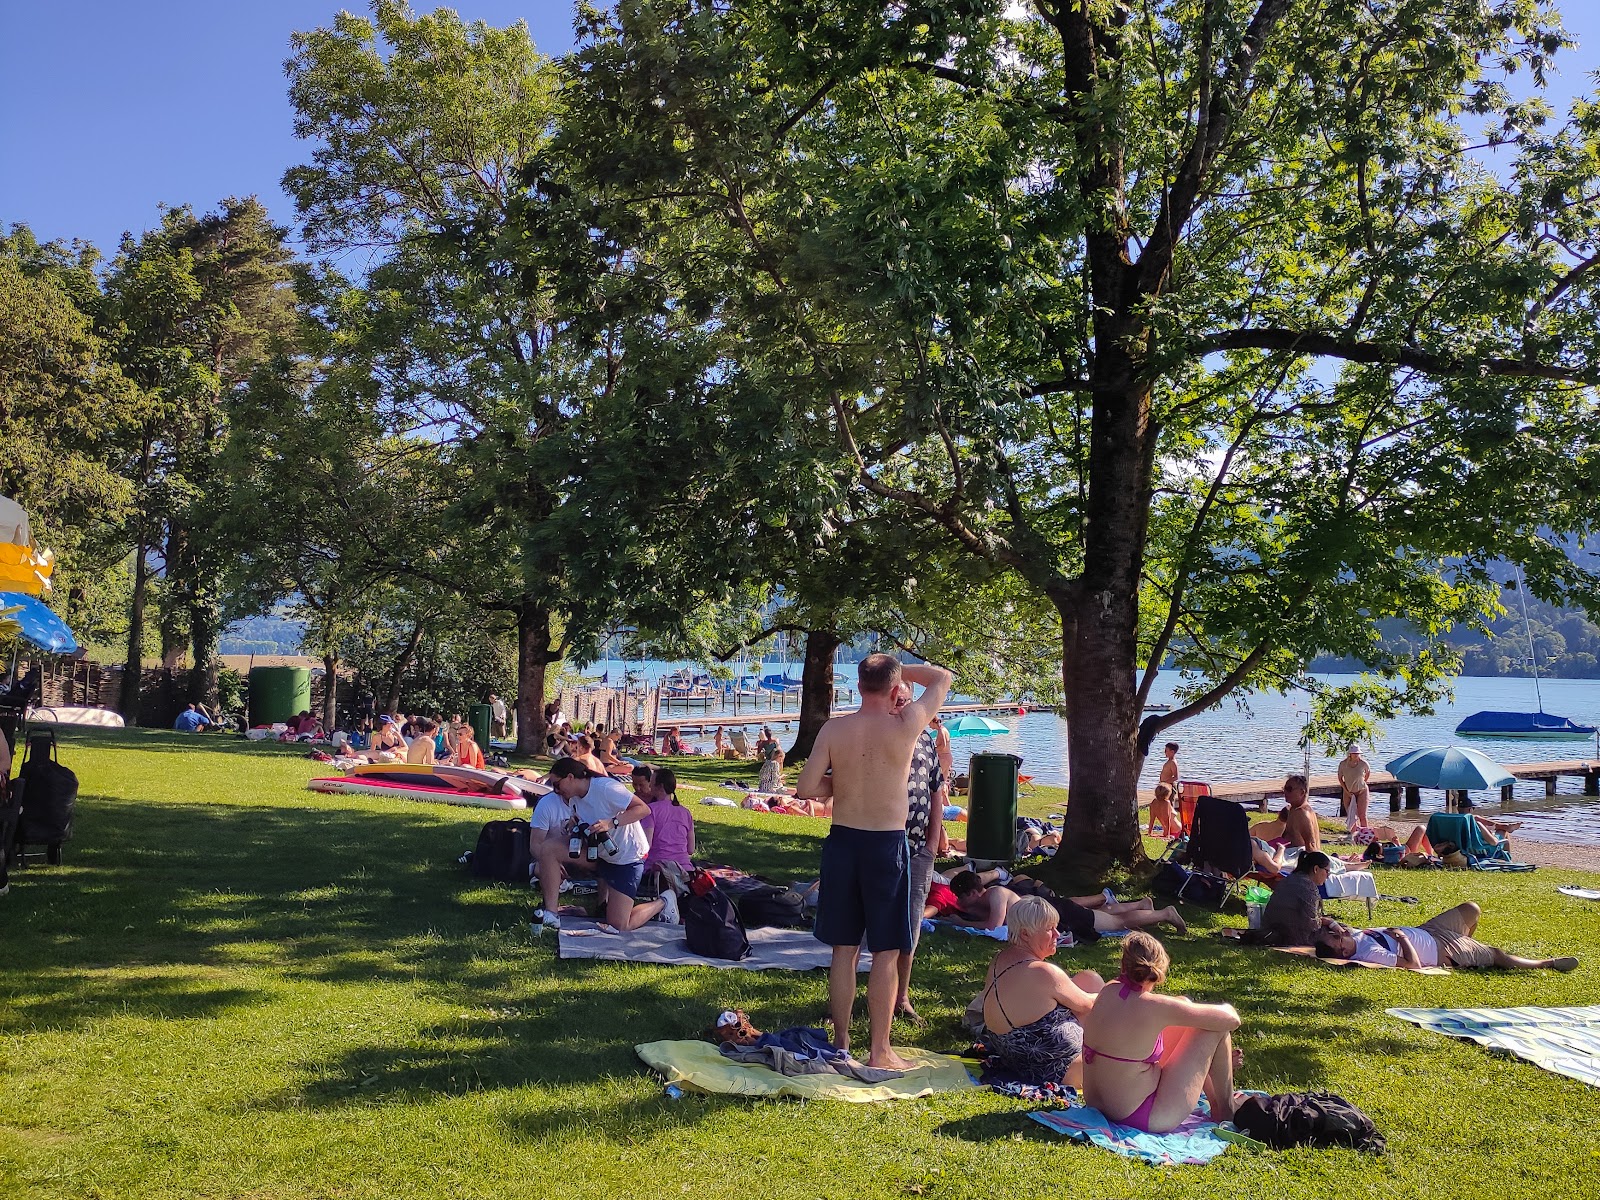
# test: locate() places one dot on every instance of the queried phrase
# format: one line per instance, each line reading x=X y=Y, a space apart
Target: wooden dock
x=1258 y=792
x=710 y=724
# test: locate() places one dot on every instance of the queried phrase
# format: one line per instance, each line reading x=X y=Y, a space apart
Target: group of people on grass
x=634 y=834
x=1139 y=1055
x=416 y=739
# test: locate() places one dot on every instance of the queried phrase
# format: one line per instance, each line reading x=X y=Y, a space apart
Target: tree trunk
x=1100 y=632
x=816 y=691
x=330 y=692
x=533 y=660
x=133 y=665
x=401 y=665
x=205 y=628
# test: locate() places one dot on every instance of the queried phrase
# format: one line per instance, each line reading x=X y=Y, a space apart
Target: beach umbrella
x=24 y=567
x=1453 y=768
x=36 y=623
x=973 y=723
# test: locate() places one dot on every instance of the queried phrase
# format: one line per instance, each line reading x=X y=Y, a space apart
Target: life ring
x=1021 y=711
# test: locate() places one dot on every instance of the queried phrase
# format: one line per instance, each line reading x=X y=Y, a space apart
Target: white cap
x=727 y=1018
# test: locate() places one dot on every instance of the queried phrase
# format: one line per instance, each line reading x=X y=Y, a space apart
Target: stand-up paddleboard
x=356 y=785
x=465 y=778
x=102 y=718
x=438 y=783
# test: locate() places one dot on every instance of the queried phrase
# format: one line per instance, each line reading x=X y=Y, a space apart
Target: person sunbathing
x=421 y=751
x=1443 y=941
x=1147 y=1057
x=985 y=906
x=1031 y=1007
x=1162 y=813
x=583 y=752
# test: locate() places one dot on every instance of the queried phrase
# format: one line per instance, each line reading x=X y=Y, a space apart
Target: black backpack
x=1307 y=1119
x=711 y=926
x=502 y=852
x=772 y=905
x=47 y=793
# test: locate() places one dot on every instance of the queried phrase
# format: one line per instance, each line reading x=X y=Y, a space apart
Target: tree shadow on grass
x=996 y=1127
x=170 y=741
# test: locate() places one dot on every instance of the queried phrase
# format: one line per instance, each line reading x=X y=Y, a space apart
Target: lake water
x=1258 y=739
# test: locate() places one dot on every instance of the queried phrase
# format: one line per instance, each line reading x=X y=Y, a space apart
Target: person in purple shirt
x=670 y=825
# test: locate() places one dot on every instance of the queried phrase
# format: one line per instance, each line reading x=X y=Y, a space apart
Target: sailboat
x=1541 y=725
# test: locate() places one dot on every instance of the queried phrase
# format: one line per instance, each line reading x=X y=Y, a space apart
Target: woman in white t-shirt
x=609 y=810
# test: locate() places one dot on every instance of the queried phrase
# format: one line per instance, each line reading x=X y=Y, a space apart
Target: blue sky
x=110 y=109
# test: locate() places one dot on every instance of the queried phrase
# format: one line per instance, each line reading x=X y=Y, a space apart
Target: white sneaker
x=669 y=914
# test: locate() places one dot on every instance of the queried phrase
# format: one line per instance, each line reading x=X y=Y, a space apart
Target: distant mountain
x=275 y=633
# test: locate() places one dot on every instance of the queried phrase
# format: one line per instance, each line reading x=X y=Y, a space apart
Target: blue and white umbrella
x=973 y=723
x=1453 y=768
x=36 y=623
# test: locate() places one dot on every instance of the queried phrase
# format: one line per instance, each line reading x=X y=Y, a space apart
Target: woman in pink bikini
x=1147 y=1057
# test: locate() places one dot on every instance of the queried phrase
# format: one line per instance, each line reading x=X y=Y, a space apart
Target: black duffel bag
x=47 y=793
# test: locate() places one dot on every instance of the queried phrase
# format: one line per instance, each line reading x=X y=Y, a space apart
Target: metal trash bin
x=478 y=716
x=992 y=807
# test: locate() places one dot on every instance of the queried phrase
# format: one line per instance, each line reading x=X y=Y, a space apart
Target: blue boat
x=1541 y=725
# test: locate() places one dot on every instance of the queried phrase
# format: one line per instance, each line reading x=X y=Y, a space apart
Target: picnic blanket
x=1308 y=952
x=700 y=1066
x=1563 y=1041
x=1198 y=1140
x=770 y=949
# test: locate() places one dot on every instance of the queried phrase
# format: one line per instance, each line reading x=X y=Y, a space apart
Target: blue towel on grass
x=1195 y=1141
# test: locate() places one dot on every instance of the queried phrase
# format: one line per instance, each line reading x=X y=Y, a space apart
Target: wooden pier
x=709 y=724
x=1259 y=791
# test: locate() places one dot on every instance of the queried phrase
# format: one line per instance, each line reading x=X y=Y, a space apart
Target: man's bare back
x=869 y=752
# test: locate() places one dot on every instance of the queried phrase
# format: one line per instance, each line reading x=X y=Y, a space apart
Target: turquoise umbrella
x=973 y=723
x=1453 y=768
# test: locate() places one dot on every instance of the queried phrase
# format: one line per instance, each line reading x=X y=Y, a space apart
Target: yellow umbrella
x=24 y=567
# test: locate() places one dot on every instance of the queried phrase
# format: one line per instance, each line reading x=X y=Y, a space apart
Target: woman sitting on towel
x=1031 y=1007
x=1147 y=1057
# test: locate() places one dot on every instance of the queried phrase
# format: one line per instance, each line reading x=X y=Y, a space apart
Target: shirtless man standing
x=865 y=885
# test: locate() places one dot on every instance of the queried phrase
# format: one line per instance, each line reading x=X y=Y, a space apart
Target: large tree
x=1204 y=318
x=420 y=128
x=192 y=307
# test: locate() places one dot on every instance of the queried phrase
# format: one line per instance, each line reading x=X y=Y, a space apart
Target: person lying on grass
x=1147 y=1057
x=1086 y=917
x=585 y=797
x=1031 y=1007
x=1442 y=941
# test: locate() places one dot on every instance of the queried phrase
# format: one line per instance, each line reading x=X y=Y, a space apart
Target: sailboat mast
x=1527 y=627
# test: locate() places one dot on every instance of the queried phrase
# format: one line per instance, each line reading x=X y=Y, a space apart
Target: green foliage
x=1204 y=322
x=64 y=403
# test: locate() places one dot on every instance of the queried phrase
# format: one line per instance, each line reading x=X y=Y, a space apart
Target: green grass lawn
x=235 y=987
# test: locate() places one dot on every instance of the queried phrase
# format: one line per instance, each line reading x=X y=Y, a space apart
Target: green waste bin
x=278 y=693
x=992 y=807
x=478 y=716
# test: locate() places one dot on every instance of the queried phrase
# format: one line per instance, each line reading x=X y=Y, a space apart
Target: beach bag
x=1307 y=1119
x=502 y=852
x=1169 y=878
x=47 y=793
x=711 y=925
x=772 y=906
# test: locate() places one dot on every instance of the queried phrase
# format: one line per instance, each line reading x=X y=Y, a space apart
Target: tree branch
x=1153 y=725
x=1322 y=345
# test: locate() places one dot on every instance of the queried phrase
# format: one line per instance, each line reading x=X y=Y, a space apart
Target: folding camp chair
x=1188 y=792
x=1465 y=832
x=1218 y=845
